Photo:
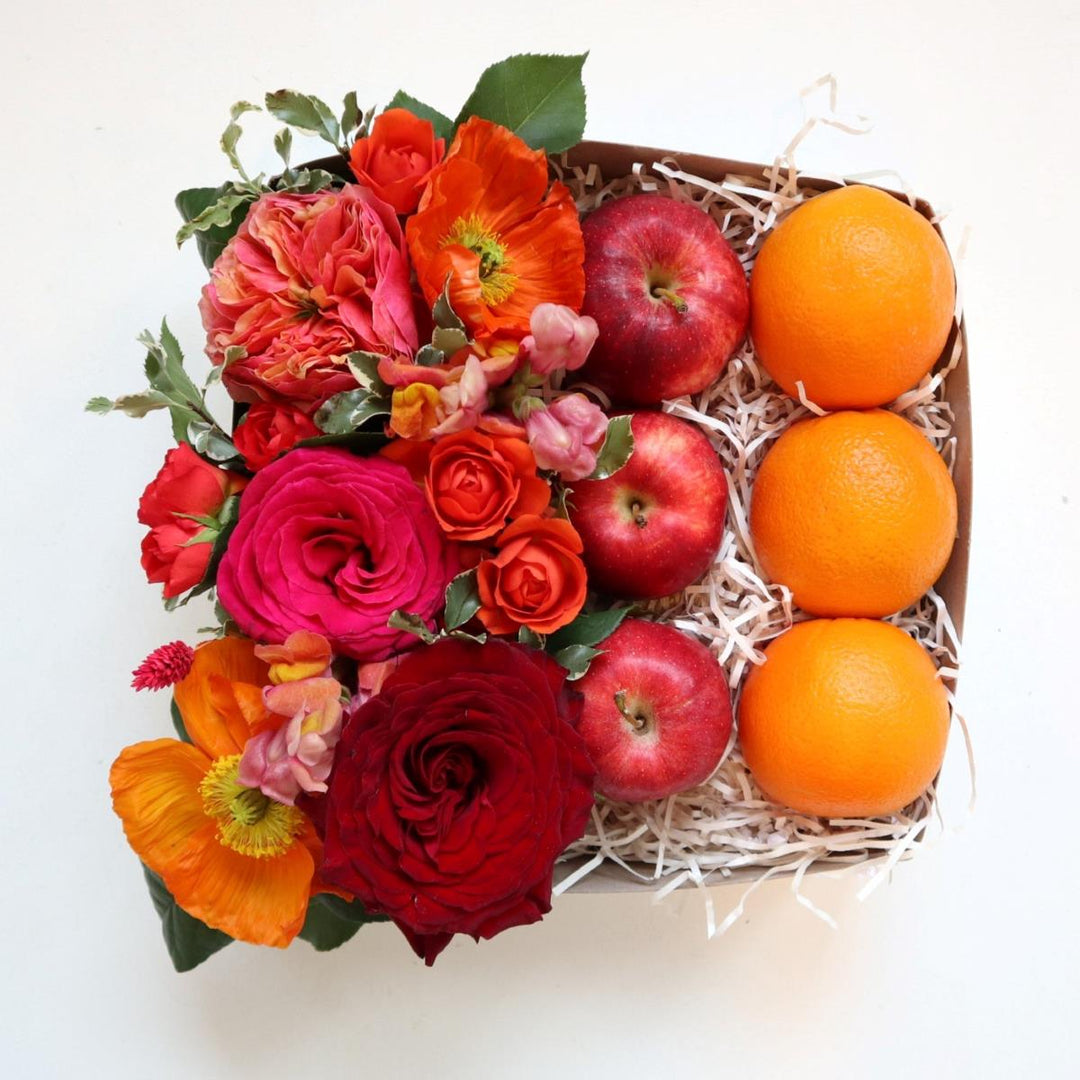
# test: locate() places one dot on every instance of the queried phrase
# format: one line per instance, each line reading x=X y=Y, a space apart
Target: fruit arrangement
x=524 y=481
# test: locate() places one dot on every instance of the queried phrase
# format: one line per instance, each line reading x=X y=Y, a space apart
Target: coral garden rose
x=396 y=157
x=456 y=787
x=186 y=487
x=537 y=579
x=474 y=482
x=334 y=544
x=306 y=280
x=267 y=431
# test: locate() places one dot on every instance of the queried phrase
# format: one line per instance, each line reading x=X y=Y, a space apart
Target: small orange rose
x=537 y=579
x=396 y=157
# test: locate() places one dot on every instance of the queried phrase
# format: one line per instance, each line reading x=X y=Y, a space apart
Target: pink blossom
x=560 y=338
x=463 y=402
x=563 y=436
x=298 y=755
x=306 y=280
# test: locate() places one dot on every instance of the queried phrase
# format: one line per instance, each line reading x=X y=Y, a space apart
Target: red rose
x=185 y=488
x=268 y=431
x=396 y=157
x=455 y=789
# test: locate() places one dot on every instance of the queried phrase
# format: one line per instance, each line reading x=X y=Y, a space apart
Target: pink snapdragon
x=564 y=436
x=299 y=755
x=560 y=338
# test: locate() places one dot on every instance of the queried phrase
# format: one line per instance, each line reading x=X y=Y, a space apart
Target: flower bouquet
x=478 y=606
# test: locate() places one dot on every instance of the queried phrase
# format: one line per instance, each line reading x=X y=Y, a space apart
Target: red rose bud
x=455 y=789
x=267 y=431
x=185 y=489
x=396 y=157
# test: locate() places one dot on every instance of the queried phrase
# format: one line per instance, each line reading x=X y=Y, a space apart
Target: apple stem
x=635 y=720
x=676 y=301
x=639 y=518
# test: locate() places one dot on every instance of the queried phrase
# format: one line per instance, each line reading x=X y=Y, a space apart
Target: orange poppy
x=507 y=239
x=230 y=856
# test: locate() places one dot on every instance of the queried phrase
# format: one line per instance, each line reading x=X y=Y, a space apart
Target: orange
x=853 y=294
x=855 y=512
x=846 y=718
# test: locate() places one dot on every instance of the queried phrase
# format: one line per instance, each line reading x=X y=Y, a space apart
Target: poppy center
x=249 y=822
x=496 y=280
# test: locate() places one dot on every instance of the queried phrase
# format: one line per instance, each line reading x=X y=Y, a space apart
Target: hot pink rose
x=559 y=338
x=564 y=436
x=334 y=543
x=306 y=280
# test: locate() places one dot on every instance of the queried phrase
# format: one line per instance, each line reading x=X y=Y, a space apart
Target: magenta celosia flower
x=165 y=666
x=560 y=338
x=306 y=280
x=565 y=435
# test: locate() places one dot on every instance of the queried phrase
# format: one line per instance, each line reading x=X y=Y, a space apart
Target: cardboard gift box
x=617 y=160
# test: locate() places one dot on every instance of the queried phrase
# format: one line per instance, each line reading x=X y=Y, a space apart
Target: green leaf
x=429 y=356
x=232 y=133
x=173 y=364
x=182 y=419
x=365 y=370
x=283 y=145
x=539 y=98
x=99 y=405
x=462 y=600
x=443 y=125
x=210 y=441
x=530 y=638
x=306 y=112
x=189 y=940
x=306 y=181
x=350 y=116
x=448 y=339
x=345 y=412
x=589 y=629
x=361 y=442
x=331 y=921
x=617 y=448
x=178 y=722
x=576 y=659
x=413 y=624
x=217 y=228
x=138 y=405
x=443 y=312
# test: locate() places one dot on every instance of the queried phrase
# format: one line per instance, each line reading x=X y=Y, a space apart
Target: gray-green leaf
x=345 y=412
x=211 y=239
x=283 y=145
x=306 y=112
x=576 y=659
x=232 y=133
x=448 y=339
x=539 y=98
x=462 y=600
x=589 y=629
x=331 y=921
x=365 y=370
x=413 y=624
x=443 y=125
x=617 y=448
x=443 y=312
x=350 y=116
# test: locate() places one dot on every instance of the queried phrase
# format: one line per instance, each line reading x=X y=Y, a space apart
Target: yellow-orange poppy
x=507 y=239
x=230 y=856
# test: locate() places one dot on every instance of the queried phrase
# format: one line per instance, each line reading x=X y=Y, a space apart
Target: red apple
x=669 y=295
x=654 y=526
x=657 y=714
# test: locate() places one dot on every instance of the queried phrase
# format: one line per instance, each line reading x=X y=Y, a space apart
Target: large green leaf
x=345 y=412
x=539 y=98
x=332 y=921
x=443 y=125
x=306 y=112
x=588 y=629
x=462 y=600
x=189 y=940
x=617 y=449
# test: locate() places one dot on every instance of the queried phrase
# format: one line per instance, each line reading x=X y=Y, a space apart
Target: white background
x=964 y=965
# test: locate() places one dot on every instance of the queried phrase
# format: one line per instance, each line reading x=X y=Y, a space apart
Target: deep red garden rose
x=186 y=487
x=455 y=788
x=306 y=280
x=334 y=543
x=396 y=157
x=267 y=431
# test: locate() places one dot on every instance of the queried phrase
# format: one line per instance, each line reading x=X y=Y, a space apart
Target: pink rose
x=306 y=280
x=333 y=543
x=560 y=338
x=564 y=435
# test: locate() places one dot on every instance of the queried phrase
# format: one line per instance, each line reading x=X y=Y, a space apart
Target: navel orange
x=846 y=718
x=853 y=294
x=855 y=512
